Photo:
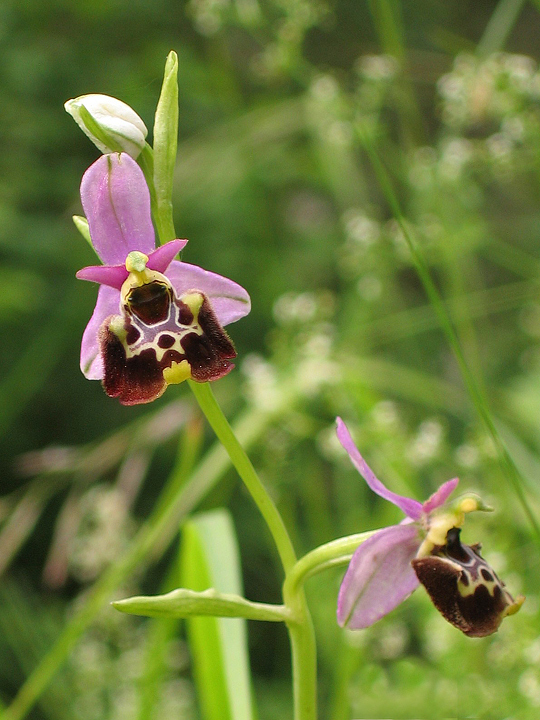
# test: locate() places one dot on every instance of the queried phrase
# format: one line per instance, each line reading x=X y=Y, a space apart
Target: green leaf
x=183 y=603
x=165 y=146
x=218 y=645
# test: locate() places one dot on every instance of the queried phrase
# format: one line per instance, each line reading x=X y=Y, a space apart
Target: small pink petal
x=440 y=496
x=112 y=275
x=160 y=258
x=379 y=577
x=410 y=507
x=115 y=275
x=108 y=303
x=229 y=300
x=116 y=203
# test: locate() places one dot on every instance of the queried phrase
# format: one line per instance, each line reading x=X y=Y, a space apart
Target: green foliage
x=273 y=187
x=210 y=559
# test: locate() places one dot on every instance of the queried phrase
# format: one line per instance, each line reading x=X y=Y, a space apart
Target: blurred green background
x=275 y=190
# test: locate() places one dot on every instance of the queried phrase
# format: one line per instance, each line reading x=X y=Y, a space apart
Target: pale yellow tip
x=136 y=262
x=516 y=605
x=468 y=505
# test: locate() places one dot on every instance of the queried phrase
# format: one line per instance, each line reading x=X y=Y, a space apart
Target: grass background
x=282 y=105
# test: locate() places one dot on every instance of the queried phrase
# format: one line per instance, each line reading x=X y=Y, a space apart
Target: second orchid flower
x=425 y=548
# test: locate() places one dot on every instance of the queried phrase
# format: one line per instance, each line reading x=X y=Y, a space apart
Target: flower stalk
x=331 y=554
x=299 y=622
x=220 y=425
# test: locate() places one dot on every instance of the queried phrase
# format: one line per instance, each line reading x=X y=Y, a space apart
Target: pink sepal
x=379 y=576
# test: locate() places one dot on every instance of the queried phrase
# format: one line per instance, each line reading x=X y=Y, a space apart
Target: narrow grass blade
x=473 y=385
x=500 y=26
x=210 y=558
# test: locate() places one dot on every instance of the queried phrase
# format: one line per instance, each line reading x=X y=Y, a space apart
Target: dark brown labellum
x=464 y=588
x=161 y=339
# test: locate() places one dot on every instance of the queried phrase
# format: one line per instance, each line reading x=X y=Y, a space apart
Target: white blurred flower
x=427 y=442
x=529 y=686
x=378 y=67
x=360 y=228
x=467 y=455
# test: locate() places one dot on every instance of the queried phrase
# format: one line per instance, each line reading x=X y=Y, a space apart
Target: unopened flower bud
x=111 y=124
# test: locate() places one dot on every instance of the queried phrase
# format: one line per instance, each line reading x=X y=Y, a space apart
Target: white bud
x=111 y=124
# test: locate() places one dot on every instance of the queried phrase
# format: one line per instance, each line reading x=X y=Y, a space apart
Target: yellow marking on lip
x=177 y=373
x=515 y=606
x=471 y=588
x=194 y=302
x=437 y=531
x=117 y=327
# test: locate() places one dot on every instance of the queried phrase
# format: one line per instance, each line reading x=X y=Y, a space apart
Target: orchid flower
x=424 y=548
x=157 y=320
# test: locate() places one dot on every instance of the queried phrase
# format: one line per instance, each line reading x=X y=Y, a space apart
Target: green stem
x=220 y=425
x=300 y=625
x=161 y=207
x=388 y=20
x=164 y=221
x=304 y=658
x=185 y=603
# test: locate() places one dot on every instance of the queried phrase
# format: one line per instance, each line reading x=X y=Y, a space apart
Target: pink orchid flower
x=157 y=320
x=424 y=548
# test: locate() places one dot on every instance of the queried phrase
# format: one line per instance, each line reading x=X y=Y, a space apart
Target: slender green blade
x=165 y=145
x=499 y=27
x=81 y=223
x=183 y=603
x=210 y=558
